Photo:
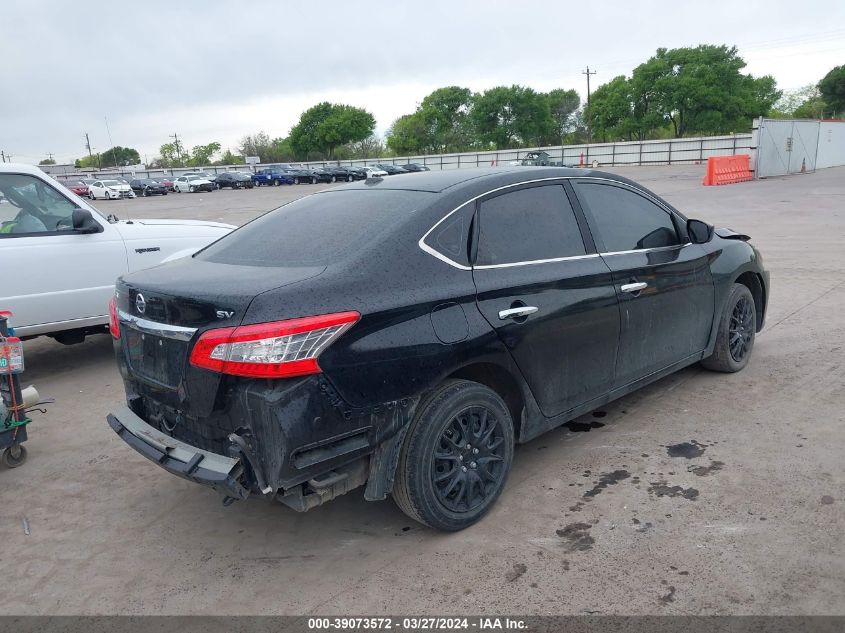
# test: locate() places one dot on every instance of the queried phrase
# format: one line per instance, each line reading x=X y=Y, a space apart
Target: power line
x=111 y=142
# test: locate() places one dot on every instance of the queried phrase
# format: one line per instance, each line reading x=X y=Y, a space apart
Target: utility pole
x=3 y=155
x=50 y=155
x=589 y=127
x=175 y=138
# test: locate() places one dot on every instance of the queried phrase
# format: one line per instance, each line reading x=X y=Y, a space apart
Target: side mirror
x=84 y=222
x=699 y=232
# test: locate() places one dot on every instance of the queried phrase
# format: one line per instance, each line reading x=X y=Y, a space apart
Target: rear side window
x=528 y=225
x=317 y=230
x=625 y=220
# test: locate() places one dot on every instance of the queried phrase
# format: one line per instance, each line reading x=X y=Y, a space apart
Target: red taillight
x=114 y=326
x=281 y=349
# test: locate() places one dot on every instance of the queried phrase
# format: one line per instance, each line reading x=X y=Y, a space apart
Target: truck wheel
x=735 y=338
x=14 y=456
x=456 y=456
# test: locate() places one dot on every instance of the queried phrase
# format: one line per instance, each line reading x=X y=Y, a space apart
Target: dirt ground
x=702 y=494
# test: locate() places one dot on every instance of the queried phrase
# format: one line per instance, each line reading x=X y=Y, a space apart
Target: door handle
x=634 y=287
x=515 y=313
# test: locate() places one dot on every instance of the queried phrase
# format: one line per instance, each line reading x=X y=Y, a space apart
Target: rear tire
x=349 y=178
x=737 y=329
x=456 y=456
x=313 y=180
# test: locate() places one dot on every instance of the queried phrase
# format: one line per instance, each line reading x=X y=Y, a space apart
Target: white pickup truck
x=60 y=257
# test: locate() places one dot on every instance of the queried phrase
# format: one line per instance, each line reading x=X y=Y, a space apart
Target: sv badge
x=225 y=314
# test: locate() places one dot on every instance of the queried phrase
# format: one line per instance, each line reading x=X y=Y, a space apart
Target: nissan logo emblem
x=140 y=303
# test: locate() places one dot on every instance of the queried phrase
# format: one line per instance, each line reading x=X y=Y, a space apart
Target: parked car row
x=194 y=182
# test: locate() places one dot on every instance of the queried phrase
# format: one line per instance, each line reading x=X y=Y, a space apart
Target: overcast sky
x=214 y=71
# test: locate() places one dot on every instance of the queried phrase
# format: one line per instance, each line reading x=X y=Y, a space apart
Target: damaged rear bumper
x=219 y=472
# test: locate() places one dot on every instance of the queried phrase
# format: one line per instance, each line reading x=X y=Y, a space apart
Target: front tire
x=314 y=180
x=456 y=456
x=191 y=189
x=737 y=329
x=349 y=178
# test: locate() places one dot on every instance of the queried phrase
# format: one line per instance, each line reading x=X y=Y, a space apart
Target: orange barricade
x=726 y=170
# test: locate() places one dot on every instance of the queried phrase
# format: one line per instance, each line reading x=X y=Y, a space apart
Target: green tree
x=88 y=162
x=47 y=161
x=201 y=154
x=255 y=145
x=370 y=147
x=118 y=155
x=507 y=117
x=700 y=90
x=409 y=134
x=326 y=126
x=610 y=113
x=171 y=155
x=563 y=104
x=444 y=113
x=228 y=158
x=832 y=89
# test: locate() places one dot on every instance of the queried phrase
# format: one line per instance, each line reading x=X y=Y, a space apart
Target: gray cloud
x=151 y=66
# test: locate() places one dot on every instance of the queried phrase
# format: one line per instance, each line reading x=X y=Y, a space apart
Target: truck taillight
x=281 y=349
x=114 y=325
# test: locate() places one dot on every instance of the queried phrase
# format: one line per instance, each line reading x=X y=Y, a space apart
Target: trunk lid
x=164 y=309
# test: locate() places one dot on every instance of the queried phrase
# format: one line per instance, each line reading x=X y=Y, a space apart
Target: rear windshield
x=317 y=230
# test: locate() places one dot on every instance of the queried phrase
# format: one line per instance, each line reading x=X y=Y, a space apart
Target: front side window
x=528 y=225
x=30 y=205
x=625 y=220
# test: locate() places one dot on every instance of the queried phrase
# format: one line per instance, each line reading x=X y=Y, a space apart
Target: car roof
x=437 y=181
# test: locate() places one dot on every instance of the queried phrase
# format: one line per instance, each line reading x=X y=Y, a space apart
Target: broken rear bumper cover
x=219 y=472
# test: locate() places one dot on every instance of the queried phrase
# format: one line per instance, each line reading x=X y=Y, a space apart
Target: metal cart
x=13 y=404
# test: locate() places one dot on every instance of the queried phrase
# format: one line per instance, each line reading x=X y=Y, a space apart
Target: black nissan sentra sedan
x=402 y=334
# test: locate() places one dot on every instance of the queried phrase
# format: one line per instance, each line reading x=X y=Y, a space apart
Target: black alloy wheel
x=455 y=457
x=741 y=329
x=736 y=334
x=469 y=459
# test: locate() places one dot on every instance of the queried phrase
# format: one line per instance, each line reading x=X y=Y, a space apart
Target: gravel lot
x=606 y=515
